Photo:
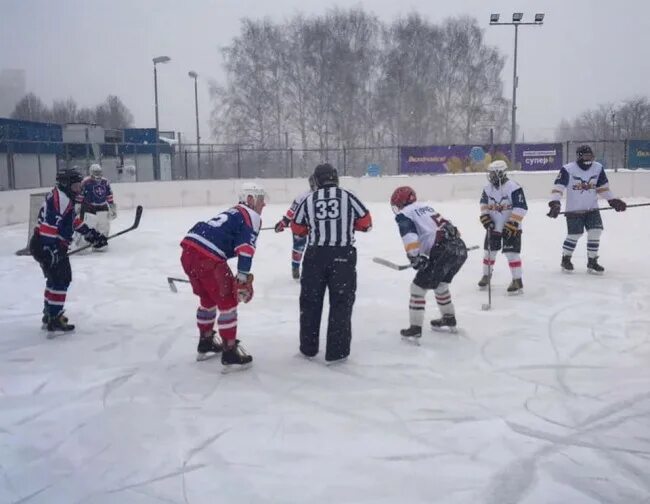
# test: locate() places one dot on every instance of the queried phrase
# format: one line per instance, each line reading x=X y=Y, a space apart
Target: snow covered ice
x=543 y=399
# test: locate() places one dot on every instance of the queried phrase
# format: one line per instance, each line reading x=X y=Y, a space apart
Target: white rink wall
x=14 y=205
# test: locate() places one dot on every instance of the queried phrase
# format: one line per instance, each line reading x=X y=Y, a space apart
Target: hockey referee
x=329 y=216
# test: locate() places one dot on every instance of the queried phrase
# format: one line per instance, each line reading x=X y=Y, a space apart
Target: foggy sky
x=587 y=52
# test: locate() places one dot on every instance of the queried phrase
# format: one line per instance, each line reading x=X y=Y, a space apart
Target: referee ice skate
x=329 y=217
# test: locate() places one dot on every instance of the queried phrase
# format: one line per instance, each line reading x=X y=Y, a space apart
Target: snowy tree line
x=345 y=79
x=627 y=120
x=111 y=113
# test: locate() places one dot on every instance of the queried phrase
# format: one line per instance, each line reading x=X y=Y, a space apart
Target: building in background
x=12 y=89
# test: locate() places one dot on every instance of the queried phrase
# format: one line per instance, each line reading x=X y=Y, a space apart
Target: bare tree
x=113 y=114
x=64 y=111
x=31 y=108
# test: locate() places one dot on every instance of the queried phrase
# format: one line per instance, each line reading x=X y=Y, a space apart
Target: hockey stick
x=172 y=285
x=578 y=212
x=402 y=267
x=488 y=306
x=136 y=223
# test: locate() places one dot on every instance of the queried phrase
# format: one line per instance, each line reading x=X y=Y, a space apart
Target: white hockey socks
x=443 y=298
x=569 y=244
x=593 y=242
x=514 y=262
x=417 y=303
x=488 y=261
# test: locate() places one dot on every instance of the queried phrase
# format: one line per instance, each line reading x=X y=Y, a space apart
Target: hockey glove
x=487 y=221
x=282 y=223
x=617 y=204
x=554 y=209
x=244 y=285
x=418 y=262
x=112 y=211
x=511 y=229
x=95 y=238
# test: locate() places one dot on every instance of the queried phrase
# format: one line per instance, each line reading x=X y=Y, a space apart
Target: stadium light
x=517 y=18
x=195 y=76
x=156 y=60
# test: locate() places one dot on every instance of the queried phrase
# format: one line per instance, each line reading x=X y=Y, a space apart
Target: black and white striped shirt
x=330 y=214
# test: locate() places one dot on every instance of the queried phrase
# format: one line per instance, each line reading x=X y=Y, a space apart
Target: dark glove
x=511 y=229
x=487 y=221
x=282 y=223
x=418 y=262
x=554 y=209
x=617 y=204
x=51 y=255
x=96 y=238
x=244 y=286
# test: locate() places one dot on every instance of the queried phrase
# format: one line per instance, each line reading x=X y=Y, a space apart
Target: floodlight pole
x=515 y=79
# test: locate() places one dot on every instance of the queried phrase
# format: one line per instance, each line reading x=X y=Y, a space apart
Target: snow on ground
x=544 y=399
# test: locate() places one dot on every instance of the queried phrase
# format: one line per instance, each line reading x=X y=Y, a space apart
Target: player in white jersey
x=584 y=180
x=299 y=242
x=503 y=207
x=436 y=252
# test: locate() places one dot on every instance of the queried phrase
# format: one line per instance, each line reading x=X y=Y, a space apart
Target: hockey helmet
x=325 y=175
x=497 y=173
x=65 y=179
x=584 y=156
x=401 y=197
x=253 y=196
x=95 y=170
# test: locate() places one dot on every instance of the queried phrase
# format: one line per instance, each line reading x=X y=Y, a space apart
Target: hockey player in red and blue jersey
x=299 y=242
x=206 y=248
x=57 y=220
x=96 y=199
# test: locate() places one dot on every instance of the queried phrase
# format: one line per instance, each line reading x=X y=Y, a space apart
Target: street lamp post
x=156 y=60
x=516 y=22
x=194 y=75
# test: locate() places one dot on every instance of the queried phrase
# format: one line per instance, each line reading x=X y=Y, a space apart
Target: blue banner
x=638 y=154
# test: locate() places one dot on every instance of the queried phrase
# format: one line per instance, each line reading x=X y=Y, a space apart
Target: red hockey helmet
x=402 y=196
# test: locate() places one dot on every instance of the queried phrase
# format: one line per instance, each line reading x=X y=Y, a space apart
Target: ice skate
x=445 y=323
x=295 y=273
x=411 y=334
x=235 y=358
x=567 y=265
x=484 y=281
x=58 y=325
x=45 y=319
x=209 y=347
x=593 y=267
x=515 y=287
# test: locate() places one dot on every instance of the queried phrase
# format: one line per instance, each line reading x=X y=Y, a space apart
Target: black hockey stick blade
x=136 y=223
x=172 y=285
x=390 y=264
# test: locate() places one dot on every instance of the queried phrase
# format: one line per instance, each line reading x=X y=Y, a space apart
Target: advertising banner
x=476 y=158
x=638 y=154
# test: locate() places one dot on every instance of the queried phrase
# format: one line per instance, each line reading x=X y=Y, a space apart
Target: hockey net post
x=35 y=203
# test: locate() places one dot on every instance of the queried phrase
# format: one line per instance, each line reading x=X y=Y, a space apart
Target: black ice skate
x=516 y=286
x=208 y=347
x=593 y=267
x=567 y=265
x=45 y=319
x=295 y=273
x=446 y=323
x=484 y=281
x=235 y=357
x=414 y=331
x=58 y=325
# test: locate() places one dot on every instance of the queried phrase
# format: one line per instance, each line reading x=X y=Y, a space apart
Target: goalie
x=97 y=207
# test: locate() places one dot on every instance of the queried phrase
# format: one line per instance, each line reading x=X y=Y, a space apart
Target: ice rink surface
x=543 y=399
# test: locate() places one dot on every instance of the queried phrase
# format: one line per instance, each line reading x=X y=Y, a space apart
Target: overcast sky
x=587 y=52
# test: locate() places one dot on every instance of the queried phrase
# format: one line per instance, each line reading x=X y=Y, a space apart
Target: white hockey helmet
x=497 y=172
x=256 y=191
x=95 y=170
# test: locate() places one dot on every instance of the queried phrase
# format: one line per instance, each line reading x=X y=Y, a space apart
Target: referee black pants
x=334 y=269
